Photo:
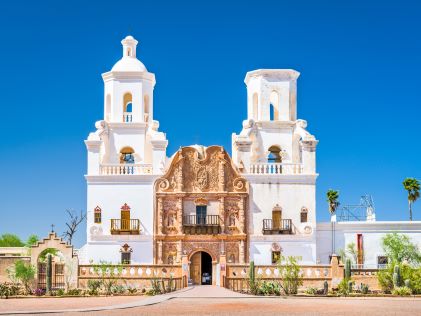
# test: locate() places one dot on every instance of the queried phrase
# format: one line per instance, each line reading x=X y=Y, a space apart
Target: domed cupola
x=129 y=62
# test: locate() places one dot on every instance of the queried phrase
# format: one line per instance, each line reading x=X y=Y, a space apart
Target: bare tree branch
x=72 y=224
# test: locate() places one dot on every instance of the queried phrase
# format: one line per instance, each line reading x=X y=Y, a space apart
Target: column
x=241 y=252
x=180 y=215
x=241 y=216
x=160 y=229
x=159 y=251
x=222 y=213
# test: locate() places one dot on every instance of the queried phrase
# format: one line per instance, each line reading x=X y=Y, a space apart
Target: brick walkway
x=210 y=300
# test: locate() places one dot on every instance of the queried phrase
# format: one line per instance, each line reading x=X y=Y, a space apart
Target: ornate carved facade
x=203 y=180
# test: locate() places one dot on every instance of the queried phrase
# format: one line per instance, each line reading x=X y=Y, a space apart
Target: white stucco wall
x=372 y=234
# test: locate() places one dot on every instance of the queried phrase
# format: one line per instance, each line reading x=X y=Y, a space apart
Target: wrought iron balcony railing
x=193 y=224
x=125 y=227
x=283 y=226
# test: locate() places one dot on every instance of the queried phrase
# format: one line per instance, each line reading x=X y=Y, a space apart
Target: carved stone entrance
x=201 y=268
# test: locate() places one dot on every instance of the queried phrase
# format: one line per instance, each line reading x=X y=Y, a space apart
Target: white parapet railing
x=127 y=117
x=125 y=169
x=276 y=168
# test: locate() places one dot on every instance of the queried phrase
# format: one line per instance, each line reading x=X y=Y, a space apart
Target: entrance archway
x=201 y=268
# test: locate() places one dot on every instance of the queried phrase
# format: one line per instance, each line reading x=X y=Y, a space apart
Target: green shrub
x=364 y=288
x=74 y=292
x=24 y=273
x=94 y=286
x=311 y=291
x=131 y=290
x=60 y=292
x=345 y=287
x=291 y=277
x=402 y=291
x=270 y=288
x=8 y=289
x=118 y=289
x=348 y=268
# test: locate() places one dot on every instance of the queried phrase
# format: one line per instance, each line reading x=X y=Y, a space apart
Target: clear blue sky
x=359 y=90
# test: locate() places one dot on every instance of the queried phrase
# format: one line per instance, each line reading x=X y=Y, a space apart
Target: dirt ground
x=210 y=300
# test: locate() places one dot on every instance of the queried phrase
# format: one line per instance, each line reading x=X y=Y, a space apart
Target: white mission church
x=256 y=203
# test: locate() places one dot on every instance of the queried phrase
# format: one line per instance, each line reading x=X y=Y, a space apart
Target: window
x=129 y=107
x=97 y=215
x=274 y=106
x=382 y=262
x=125 y=258
x=126 y=254
x=274 y=154
x=304 y=213
x=231 y=258
x=146 y=108
x=201 y=211
x=276 y=256
x=127 y=155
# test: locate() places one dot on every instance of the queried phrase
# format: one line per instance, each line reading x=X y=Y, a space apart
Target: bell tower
x=272 y=94
x=128 y=93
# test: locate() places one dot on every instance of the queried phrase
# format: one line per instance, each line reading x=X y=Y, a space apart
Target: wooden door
x=276 y=219
x=125 y=220
x=196 y=268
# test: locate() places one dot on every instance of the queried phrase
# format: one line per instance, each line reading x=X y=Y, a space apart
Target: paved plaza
x=210 y=300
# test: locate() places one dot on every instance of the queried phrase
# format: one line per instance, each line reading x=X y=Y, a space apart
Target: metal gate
x=57 y=282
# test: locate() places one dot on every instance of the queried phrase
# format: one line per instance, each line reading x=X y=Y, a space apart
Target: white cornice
x=279 y=74
x=128 y=75
x=110 y=239
x=128 y=126
x=285 y=238
x=387 y=226
x=282 y=178
x=122 y=179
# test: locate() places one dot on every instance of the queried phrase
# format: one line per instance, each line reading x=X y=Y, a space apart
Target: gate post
x=337 y=271
x=184 y=270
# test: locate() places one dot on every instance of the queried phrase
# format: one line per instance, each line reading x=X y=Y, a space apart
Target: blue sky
x=359 y=90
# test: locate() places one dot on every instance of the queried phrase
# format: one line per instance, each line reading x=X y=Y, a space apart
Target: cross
x=52 y=228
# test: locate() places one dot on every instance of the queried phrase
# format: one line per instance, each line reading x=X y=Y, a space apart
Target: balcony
x=201 y=225
x=276 y=168
x=125 y=227
x=125 y=169
x=283 y=226
x=127 y=117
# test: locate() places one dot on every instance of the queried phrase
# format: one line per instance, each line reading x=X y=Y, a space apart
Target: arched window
x=146 y=108
x=304 y=213
x=231 y=258
x=126 y=254
x=274 y=154
x=126 y=155
x=256 y=106
x=97 y=215
x=274 y=106
x=127 y=108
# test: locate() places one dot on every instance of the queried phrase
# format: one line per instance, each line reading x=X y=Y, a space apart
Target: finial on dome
x=129 y=46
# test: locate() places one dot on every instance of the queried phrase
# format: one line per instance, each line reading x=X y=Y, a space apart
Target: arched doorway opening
x=201 y=268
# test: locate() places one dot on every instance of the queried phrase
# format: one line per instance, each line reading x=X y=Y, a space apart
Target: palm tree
x=411 y=185
x=332 y=200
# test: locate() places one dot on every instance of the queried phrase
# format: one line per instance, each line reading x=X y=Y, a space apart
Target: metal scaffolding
x=364 y=211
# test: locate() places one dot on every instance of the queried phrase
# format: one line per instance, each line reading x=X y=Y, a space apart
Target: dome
x=129 y=64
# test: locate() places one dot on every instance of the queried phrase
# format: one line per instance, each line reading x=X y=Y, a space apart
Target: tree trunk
x=410 y=210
